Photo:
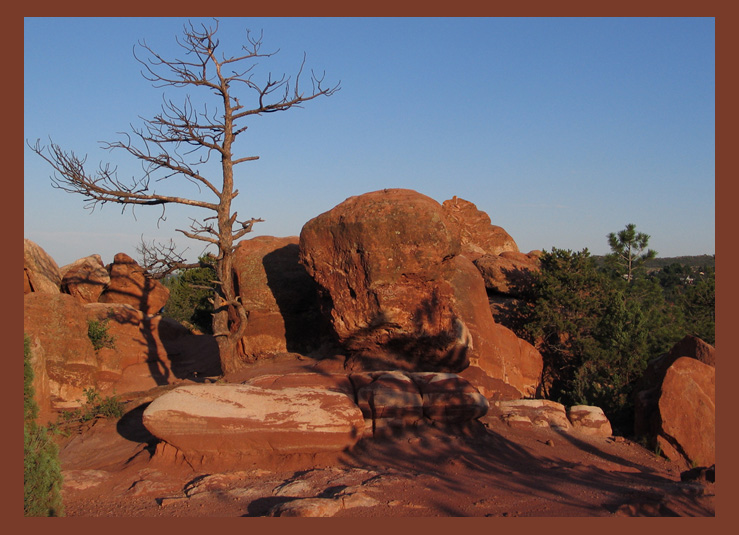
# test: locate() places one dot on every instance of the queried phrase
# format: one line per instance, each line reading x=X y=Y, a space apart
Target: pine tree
x=628 y=251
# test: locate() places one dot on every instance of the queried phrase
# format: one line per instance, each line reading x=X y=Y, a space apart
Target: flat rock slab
x=244 y=421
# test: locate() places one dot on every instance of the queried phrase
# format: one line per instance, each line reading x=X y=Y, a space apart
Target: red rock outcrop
x=247 y=425
x=64 y=362
x=282 y=299
x=509 y=272
x=85 y=278
x=393 y=399
x=674 y=405
x=477 y=234
x=379 y=259
x=687 y=410
x=148 y=351
x=40 y=271
x=449 y=398
x=400 y=296
x=131 y=286
x=388 y=398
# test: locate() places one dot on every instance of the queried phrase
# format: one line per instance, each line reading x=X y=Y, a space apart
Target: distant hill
x=658 y=263
x=693 y=261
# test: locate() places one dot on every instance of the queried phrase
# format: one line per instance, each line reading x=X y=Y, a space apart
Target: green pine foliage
x=596 y=332
x=190 y=292
x=597 y=324
x=42 y=479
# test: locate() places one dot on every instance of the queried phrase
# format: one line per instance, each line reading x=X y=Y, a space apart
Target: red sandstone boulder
x=85 y=279
x=449 y=398
x=380 y=262
x=336 y=382
x=40 y=271
x=244 y=425
x=390 y=396
x=149 y=351
x=687 y=410
x=678 y=415
x=401 y=297
x=589 y=420
x=525 y=413
x=282 y=299
x=508 y=273
x=130 y=285
x=478 y=236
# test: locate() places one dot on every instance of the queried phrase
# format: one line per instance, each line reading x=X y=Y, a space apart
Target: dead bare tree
x=179 y=140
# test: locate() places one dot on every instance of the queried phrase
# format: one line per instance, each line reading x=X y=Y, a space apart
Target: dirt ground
x=487 y=469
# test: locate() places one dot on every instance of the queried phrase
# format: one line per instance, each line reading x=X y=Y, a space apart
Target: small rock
x=307 y=507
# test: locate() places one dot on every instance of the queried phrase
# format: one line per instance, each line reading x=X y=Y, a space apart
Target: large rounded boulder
x=401 y=296
x=381 y=262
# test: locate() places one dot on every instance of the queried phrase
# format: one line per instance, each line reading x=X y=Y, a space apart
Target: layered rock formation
x=40 y=272
x=248 y=425
x=131 y=286
x=147 y=351
x=401 y=296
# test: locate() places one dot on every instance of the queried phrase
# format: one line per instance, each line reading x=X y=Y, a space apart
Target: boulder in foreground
x=247 y=425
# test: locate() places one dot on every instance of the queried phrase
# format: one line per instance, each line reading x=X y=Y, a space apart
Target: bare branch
x=160 y=260
x=178 y=142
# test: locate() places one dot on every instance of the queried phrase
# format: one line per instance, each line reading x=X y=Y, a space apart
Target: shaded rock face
x=131 y=286
x=282 y=299
x=674 y=404
x=382 y=262
x=40 y=271
x=85 y=279
x=149 y=351
x=245 y=424
x=478 y=236
x=509 y=273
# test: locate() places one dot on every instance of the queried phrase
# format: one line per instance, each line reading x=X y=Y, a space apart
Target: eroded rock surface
x=674 y=405
x=478 y=235
x=401 y=296
x=85 y=279
x=280 y=296
x=244 y=424
x=40 y=272
x=130 y=285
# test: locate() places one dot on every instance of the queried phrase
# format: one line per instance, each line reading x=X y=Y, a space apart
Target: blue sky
x=562 y=130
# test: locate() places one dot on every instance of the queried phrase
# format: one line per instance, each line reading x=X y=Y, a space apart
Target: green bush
x=596 y=332
x=42 y=477
x=190 y=293
x=97 y=332
x=95 y=406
